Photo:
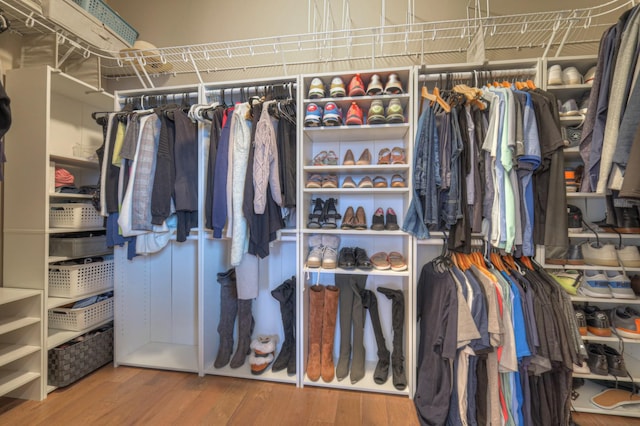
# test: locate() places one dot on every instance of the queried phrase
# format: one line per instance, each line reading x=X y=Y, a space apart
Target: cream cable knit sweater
x=265 y=162
x=241 y=143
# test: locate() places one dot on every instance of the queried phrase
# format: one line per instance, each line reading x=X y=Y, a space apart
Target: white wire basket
x=77 y=280
x=74 y=215
x=81 y=318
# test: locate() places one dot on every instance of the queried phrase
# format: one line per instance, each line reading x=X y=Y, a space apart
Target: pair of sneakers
x=323 y=251
x=606 y=285
x=315 y=116
x=557 y=76
x=378 y=114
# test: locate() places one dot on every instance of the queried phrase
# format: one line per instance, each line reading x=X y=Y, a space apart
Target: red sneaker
x=356 y=86
x=354 y=115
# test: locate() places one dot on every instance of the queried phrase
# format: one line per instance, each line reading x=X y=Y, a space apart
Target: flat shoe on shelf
x=397 y=261
x=365 y=182
x=330 y=181
x=314 y=181
x=398 y=181
x=379 y=182
x=397 y=156
x=348 y=182
x=360 y=221
x=320 y=158
x=384 y=156
x=332 y=158
x=380 y=261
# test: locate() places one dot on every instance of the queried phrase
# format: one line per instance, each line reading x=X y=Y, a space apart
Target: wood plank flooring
x=133 y=396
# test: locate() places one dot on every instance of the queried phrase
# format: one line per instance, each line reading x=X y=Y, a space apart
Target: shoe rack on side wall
x=571 y=82
x=322 y=159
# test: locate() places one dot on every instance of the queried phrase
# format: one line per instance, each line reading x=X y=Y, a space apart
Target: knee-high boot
x=228 y=312
x=285 y=294
x=343 y=281
x=370 y=302
x=358 y=283
x=316 y=312
x=397 y=322
x=245 y=329
x=331 y=295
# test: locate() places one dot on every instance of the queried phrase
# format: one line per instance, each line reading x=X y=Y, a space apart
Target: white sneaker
x=314 y=259
x=629 y=256
x=571 y=75
x=581 y=369
x=554 y=75
x=602 y=255
x=590 y=75
x=595 y=284
x=330 y=254
x=620 y=285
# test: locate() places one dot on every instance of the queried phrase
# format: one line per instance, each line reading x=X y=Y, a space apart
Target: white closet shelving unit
x=374 y=137
x=156 y=310
x=273 y=270
x=592 y=206
x=21 y=343
x=52 y=124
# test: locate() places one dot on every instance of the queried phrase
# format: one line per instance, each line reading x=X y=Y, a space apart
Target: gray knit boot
x=245 y=329
x=358 y=283
x=343 y=281
x=228 y=312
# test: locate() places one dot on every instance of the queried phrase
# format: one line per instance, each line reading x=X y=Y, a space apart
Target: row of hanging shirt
x=498 y=341
x=251 y=173
x=149 y=166
x=610 y=140
x=482 y=161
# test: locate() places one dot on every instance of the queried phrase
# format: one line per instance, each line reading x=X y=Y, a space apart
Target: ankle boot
x=285 y=294
x=329 y=317
x=370 y=302
x=397 y=322
x=245 y=329
x=316 y=308
x=358 y=283
x=228 y=312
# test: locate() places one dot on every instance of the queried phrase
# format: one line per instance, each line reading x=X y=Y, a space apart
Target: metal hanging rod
x=467 y=75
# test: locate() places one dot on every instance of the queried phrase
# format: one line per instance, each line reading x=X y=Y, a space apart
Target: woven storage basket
x=70 y=363
x=74 y=215
x=76 y=280
x=81 y=318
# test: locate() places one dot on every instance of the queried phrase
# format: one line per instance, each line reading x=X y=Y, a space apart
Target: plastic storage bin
x=77 y=280
x=74 y=215
x=81 y=318
x=110 y=18
x=70 y=362
x=83 y=245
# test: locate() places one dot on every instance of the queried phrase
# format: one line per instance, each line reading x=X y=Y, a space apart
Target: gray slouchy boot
x=397 y=322
x=228 y=312
x=245 y=329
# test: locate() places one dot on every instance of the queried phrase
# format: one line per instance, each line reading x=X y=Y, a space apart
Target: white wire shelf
x=574 y=32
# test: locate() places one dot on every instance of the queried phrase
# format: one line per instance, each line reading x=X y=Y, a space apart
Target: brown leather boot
x=316 y=308
x=328 y=331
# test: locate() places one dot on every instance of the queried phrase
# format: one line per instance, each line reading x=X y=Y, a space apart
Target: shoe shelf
x=364 y=133
x=381 y=168
x=585 y=195
x=590 y=389
x=631 y=363
x=356 y=271
x=359 y=191
x=244 y=372
x=568 y=91
x=356 y=232
x=366 y=384
x=604 y=301
x=611 y=339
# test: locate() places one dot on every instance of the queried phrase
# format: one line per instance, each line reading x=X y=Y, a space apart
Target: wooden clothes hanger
x=445 y=106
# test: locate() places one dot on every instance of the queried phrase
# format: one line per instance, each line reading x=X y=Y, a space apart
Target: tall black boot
x=245 y=329
x=285 y=294
x=343 y=281
x=291 y=366
x=397 y=322
x=228 y=312
x=370 y=302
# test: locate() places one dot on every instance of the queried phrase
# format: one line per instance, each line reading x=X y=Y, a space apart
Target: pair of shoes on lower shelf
x=263 y=348
x=604 y=360
x=354 y=257
x=323 y=214
x=323 y=251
